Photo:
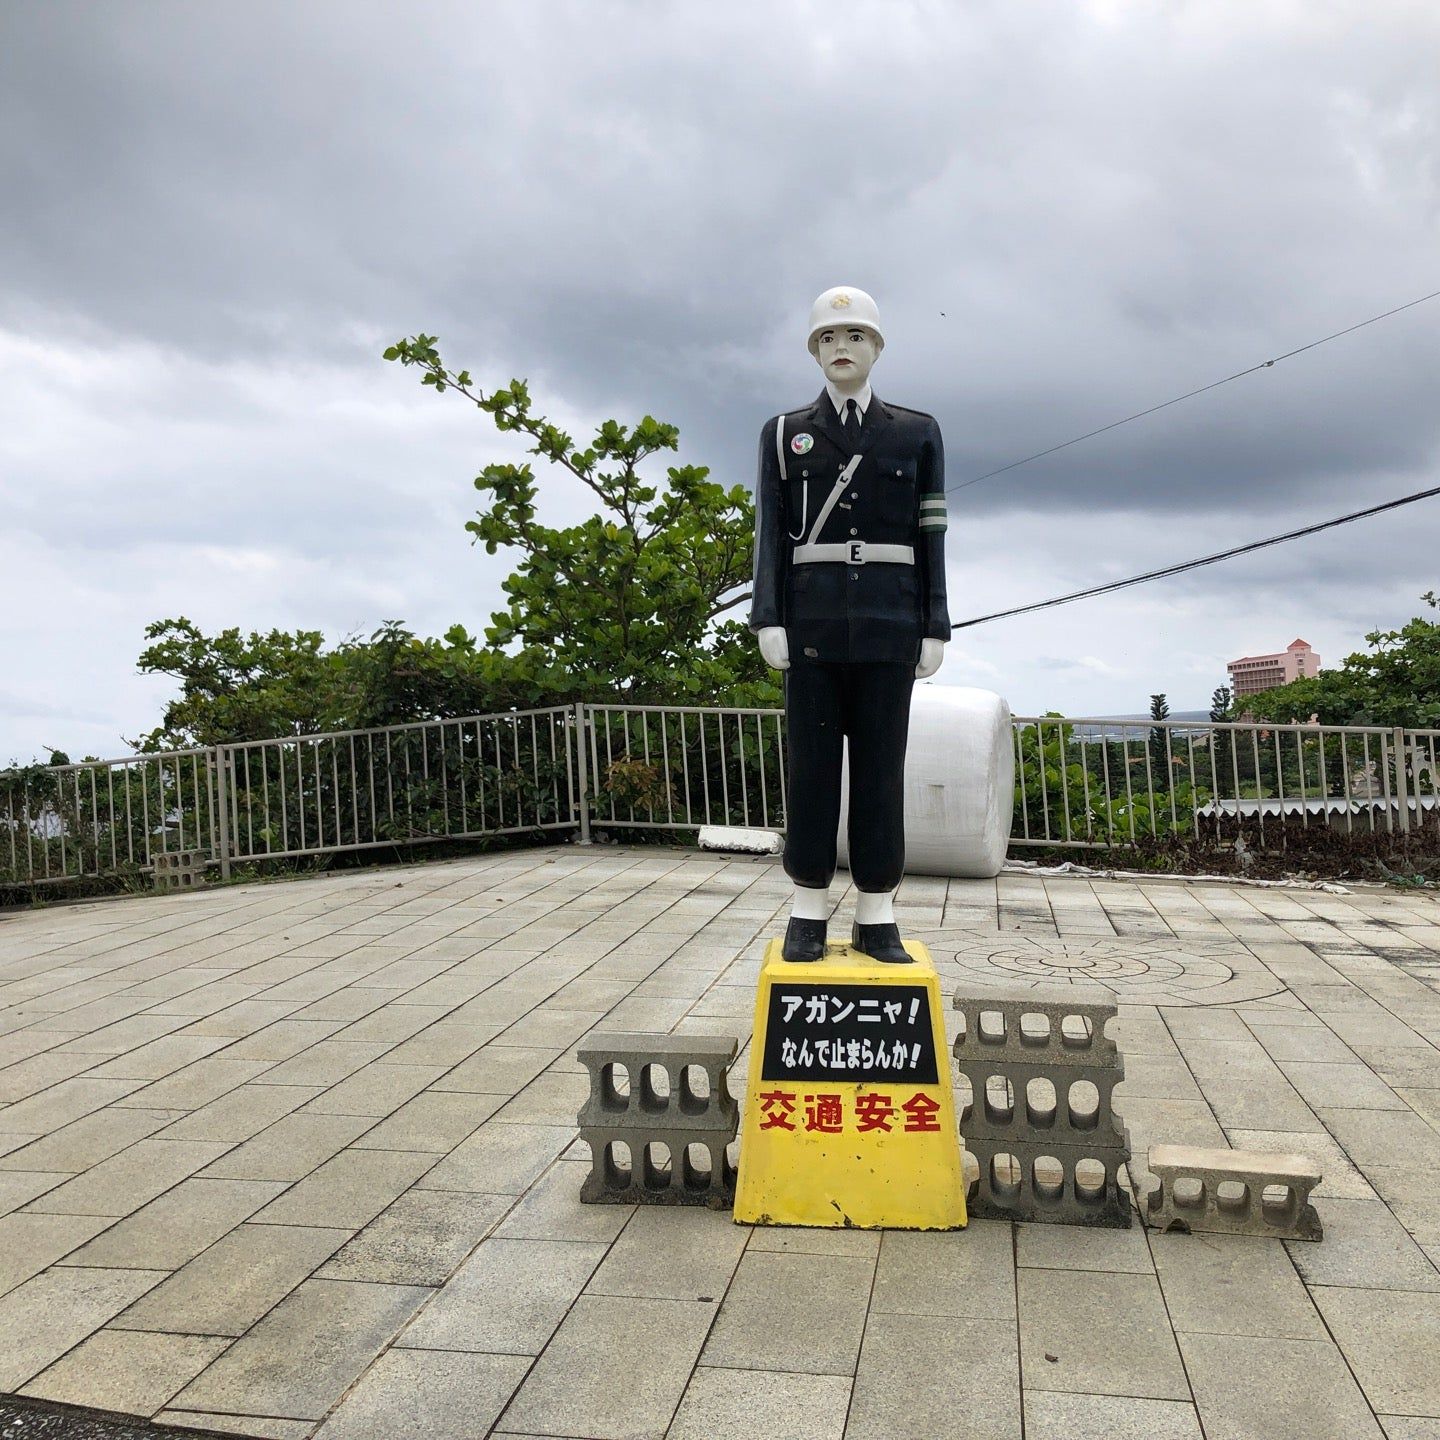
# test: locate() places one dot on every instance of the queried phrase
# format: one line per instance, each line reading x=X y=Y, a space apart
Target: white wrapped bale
x=959 y=783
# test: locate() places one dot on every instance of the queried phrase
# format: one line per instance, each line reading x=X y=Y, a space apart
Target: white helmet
x=845 y=305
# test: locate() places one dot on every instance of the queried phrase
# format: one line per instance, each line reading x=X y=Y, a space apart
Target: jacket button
x=854 y=574
x=854 y=494
x=899 y=472
x=805 y=472
x=852 y=530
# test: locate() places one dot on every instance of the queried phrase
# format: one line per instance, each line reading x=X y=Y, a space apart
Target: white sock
x=875 y=907
x=810 y=902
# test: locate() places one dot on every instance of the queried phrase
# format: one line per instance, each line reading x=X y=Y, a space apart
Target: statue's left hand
x=932 y=653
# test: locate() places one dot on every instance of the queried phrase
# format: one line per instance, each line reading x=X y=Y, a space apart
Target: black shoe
x=880 y=942
x=804 y=940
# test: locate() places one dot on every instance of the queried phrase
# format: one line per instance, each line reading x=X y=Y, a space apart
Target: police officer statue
x=849 y=601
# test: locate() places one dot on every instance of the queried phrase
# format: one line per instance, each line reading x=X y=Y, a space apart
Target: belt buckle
x=857 y=552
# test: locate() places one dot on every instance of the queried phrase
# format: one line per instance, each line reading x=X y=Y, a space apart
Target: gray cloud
x=218 y=215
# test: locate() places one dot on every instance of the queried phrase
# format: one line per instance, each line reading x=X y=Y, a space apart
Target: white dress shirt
x=838 y=399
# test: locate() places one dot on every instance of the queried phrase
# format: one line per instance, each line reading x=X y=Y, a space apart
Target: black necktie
x=850 y=421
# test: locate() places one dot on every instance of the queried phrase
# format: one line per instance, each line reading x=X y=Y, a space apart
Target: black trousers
x=868 y=704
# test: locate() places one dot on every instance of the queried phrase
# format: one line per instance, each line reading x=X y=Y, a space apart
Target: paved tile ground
x=296 y=1159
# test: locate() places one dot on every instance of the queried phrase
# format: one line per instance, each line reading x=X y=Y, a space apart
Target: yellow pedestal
x=849 y=1114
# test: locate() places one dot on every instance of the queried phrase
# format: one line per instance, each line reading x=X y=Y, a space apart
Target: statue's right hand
x=775 y=647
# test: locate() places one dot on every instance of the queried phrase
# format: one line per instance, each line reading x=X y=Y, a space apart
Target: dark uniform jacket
x=834 y=611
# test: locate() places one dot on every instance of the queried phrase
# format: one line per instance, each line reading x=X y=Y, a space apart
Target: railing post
x=1402 y=784
x=222 y=801
x=583 y=771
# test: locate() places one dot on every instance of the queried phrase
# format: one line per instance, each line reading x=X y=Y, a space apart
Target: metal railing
x=295 y=796
x=680 y=767
x=503 y=774
x=1078 y=783
x=68 y=822
x=1101 y=783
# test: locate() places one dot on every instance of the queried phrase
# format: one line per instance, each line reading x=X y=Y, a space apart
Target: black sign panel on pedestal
x=865 y=1033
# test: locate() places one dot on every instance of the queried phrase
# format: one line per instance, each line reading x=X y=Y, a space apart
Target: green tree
x=1159 y=750
x=397 y=677
x=1053 y=797
x=1395 y=682
x=637 y=600
x=1222 y=744
x=237 y=687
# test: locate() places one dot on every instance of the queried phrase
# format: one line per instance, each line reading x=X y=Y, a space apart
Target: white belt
x=854 y=552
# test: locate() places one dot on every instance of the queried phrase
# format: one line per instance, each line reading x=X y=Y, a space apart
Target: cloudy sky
x=215 y=217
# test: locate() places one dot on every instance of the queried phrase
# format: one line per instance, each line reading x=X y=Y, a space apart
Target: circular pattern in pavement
x=1147 y=972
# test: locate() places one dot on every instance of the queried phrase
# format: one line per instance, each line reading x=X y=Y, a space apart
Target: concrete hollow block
x=1049 y=1027
x=1048 y=1182
x=1233 y=1192
x=663 y=1078
x=179 y=870
x=1072 y=1105
x=629 y=1167
x=1041 y=1121
x=659 y=1120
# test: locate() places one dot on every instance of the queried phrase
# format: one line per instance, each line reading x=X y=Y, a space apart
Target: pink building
x=1253 y=673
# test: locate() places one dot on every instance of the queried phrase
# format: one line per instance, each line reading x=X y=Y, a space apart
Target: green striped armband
x=932 y=513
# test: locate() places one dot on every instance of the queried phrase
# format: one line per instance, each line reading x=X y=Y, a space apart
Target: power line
x=1203 y=560
x=1191 y=394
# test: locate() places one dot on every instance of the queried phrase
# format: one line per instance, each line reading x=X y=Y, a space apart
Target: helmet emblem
x=840 y=302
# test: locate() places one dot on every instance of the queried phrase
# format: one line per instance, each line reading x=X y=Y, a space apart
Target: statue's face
x=846 y=354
